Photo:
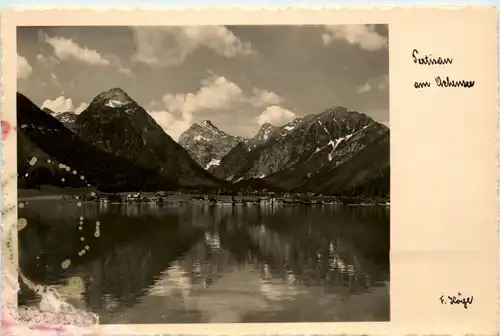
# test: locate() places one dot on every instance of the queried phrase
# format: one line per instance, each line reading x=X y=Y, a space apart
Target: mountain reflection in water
x=196 y=263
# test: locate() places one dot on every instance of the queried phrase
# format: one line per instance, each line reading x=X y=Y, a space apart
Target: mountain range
x=323 y=153
x=207 y=144
x=118 y=146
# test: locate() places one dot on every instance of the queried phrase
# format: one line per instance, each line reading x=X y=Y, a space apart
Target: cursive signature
x=454 y=300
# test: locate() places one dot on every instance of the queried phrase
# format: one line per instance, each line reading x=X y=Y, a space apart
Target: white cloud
x=380 y=83
x=275 y=115
x=66 y=49
x=171 y=45
x=59 y=105
x=215 y=93
x=24 y=69
x=363 y=36
x=177 y=111
x=265 y=98
x=62 y=104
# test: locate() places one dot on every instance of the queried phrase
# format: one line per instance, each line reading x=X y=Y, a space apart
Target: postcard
x=234 y=171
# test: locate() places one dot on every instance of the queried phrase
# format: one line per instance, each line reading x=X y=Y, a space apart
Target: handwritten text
x=441 y=82
x=456 y=300
x=429 y=60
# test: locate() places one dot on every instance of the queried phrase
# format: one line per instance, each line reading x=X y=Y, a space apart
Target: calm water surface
x=196 y=263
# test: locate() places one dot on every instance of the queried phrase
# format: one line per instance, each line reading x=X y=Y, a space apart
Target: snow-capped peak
x=113 y=98
x=204 y=123
x=207 y=125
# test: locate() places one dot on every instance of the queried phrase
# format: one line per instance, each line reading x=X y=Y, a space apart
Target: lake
x=197 y=263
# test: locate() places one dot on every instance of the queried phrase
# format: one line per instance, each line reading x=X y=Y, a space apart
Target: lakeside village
x=240 y=198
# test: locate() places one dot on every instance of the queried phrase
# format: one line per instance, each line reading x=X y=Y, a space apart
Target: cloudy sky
x=238 y=77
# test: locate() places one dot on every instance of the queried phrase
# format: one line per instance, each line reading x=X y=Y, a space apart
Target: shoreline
x=178 y=198
x=196 y=202
x=41 y=198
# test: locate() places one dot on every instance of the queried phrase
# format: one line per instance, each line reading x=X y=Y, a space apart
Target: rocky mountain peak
x=67 y=118
x=116 y=124
x=341 y=112
x=115 y=97
x=207 y=128
x=115 y=93
x=207 y=144
x=112 y=105
x=205 y=124
x=264 y=132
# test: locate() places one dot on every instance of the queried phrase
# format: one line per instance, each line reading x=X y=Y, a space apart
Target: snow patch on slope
x=114 y=103
x=201 y=137
x=212 y=163
x=336 y=142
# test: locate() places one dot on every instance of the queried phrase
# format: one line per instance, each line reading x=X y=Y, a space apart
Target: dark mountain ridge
x=116 y=124
x=104 y=170
x=326 y=158
x=366 y=173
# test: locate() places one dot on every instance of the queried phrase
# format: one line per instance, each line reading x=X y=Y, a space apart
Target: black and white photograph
x=205 y=174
